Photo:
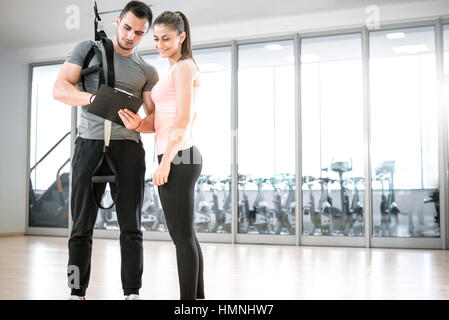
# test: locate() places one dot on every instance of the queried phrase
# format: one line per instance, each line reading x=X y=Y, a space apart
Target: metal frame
x=298 y=139
x=367 y=137
x=234 y=141
x=298 y=238
x=442 y=132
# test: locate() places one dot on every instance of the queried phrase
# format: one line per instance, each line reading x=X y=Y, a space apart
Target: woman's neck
x=174 y=58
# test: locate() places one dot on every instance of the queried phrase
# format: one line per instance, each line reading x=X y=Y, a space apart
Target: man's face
x=131 y=30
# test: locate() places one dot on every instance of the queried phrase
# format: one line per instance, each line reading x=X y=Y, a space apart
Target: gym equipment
x=349 y=213
x=105 y=171
x=49 y=208
x=283 y=213
x=434 y=197
x=254 y=218
x=331 y=217
x=152 y=215
x=202 y=211
x=388 y=207
x=222 y=221
x=358 y=226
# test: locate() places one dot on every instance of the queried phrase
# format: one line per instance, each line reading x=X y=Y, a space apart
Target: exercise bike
x=203 y=208
x=434 y=197
x=152 y=210
x=254 y=218
x=358 y=226
x=284 y=211
x=223 y=216
x=325 y=216
x=388 y=207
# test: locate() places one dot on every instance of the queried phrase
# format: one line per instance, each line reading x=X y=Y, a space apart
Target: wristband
x=90 y=99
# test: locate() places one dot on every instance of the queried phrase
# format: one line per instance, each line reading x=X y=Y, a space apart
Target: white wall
x=14 y=83
x=13 y=139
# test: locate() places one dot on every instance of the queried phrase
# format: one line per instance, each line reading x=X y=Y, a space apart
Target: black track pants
x=129 y=160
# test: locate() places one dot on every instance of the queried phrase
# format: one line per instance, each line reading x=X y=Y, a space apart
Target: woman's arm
x=183 y=76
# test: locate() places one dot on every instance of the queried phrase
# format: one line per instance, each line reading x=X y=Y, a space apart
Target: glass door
x=333 y=207
x=50 y=143
x=404 y=137
x=266 y=142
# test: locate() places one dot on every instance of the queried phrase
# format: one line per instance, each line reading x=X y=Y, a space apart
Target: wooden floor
x=35 y=268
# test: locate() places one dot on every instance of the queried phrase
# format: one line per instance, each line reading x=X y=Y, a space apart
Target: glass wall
x=404 y=133
x=266 y=147
x=49 y=175
x=332 y=136
x=403 y=139
x=211 y=134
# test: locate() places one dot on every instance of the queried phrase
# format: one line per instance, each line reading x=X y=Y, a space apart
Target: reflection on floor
x=35 y=268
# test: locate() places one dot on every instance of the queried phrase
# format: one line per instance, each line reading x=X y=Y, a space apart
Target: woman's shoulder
x=188 y=66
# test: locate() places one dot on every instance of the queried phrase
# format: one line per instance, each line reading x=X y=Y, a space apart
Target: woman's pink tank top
x=163 y=95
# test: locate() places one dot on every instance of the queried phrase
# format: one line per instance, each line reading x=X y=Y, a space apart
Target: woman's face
x=167 y=41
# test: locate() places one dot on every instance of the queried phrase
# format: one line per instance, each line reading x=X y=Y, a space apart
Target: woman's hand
x=130 y=119
x=160 y=176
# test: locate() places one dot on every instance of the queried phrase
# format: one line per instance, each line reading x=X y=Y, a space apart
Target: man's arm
x=64 y=89
x=147 y=124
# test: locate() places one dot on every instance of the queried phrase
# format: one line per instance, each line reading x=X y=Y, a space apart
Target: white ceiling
x=28 y=24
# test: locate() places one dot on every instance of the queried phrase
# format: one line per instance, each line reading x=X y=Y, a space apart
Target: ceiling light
x=412 y=49
x=309 y=58
x=273 y=46
x=395 y=35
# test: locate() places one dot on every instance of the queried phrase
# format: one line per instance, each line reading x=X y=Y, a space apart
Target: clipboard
x=109 y=101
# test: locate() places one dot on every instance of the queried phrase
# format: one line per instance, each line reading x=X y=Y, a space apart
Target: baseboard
x=12 y=234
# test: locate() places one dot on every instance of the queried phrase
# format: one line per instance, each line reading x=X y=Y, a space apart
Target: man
x=135 y=76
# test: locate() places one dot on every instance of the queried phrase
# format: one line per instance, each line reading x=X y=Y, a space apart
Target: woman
x=180 y=162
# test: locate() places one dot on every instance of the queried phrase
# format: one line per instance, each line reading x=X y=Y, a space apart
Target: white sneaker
x=133 y=297
x=76 y=298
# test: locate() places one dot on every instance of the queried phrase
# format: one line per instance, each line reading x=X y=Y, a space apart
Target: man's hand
x=130 y=119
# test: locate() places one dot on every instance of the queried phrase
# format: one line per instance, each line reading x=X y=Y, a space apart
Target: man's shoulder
x=87 y=44
x=149 y=68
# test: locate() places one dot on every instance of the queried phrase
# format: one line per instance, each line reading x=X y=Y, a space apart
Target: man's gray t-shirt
x=132 y=74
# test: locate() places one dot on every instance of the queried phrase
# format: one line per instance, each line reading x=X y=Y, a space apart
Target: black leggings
x=177 y=200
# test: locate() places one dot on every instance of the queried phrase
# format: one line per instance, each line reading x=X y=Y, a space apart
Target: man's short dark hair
x=139 y=9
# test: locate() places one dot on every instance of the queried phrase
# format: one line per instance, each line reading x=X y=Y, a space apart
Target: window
x=332 y=135
x=266 y=146
x=49 y=179
x=404 y=136
x=211 y=133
